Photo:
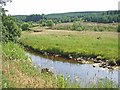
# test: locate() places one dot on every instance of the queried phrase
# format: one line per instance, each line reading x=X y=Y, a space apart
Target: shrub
x=42 y=22
x=78 y=26
x=50 y=23
x=25 y=26
x=118 y=29
x=95 y=28
x=10 y=30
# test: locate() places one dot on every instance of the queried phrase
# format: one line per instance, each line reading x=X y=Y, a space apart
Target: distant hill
x=72 y=14
x=87 y=15
x=21 y=17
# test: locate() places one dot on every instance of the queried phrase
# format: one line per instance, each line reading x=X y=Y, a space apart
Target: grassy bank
x=74 y=44
x=18 y=71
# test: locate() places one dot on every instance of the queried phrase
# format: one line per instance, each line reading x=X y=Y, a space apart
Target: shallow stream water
x=83 y=73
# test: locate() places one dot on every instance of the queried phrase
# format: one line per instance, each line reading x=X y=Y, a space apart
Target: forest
x=93 y=16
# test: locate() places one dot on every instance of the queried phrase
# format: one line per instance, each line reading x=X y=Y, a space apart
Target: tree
x=34 y=18
x=25 y=26
x=42 y=22
x=43 y=16
x=3 y=2
x=10 y=30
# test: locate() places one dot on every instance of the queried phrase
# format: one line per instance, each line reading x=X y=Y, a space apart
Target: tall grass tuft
x=13 y=51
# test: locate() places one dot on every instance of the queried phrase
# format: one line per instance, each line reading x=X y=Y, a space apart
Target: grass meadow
x=75 y=43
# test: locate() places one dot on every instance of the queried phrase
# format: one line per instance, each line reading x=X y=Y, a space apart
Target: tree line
x=95 y=16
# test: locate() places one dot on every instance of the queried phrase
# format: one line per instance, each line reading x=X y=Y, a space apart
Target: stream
x=83 y=73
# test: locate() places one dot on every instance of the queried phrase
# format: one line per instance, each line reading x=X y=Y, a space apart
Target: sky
x=27 y=7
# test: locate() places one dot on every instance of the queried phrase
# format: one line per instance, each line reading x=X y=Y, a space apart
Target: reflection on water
x=82 y=72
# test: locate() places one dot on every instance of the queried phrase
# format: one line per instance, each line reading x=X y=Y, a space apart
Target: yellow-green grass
x=18 y=71
x=75 y=43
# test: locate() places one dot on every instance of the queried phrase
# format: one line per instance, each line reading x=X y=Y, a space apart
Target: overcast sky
x=27 y=7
